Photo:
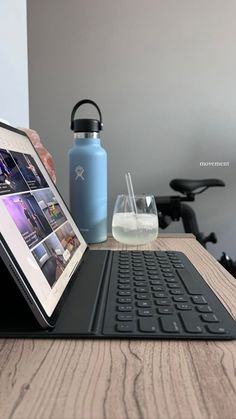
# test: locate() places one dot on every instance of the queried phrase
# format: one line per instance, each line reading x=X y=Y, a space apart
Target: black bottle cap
x=86 y=125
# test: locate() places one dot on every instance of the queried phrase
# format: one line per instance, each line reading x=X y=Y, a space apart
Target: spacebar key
x=192 y=286
x=170 y=324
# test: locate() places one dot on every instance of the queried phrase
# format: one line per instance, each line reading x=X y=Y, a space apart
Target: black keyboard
x=162 y=295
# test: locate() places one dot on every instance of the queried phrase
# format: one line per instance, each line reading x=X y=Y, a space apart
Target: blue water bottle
x=88 y=177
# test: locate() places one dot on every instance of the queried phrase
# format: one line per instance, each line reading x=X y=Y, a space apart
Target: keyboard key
x=172 y=279
x=204 y=309
x=209 y=317
x=166 y=270
x=165 y=310
x=199 y=299
x=124 y=276
x=125 y=327
x=125 y=300
x=124 y=293
x=124 y=308
x=124 y=287
x=155 y=277
x=148 y=325
x=141 y=289
x=145 y=312
x=182 y=306
x=191 y=322
x=155 y=282
x=176 y=292
x=158 y=288
x=124 y=317
x=143 y=296
x=215 y=328
x=175 y=262
x=192 y=286
x=179 y=266
x=162 y=302
x=124 y=271
x=180 y=299
x=173 y=257
x=124 y=281
x=170 y=324
x=173 y=285
x=144 y=304
x=153 y=273
x=139 y=278
x=160 y=257
x=139 y=273
x=140 y=283
x=160 y=295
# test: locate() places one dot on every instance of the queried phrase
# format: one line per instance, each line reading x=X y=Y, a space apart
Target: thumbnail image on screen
x=28 y=217
x=11 y=179
x=50 y=207
x=29 y=170
x=55 y=252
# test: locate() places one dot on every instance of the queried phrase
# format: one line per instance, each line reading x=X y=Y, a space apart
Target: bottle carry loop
x=80 y=103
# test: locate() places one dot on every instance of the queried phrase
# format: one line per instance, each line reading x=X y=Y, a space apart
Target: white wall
x=14 y=63
x=164 y=74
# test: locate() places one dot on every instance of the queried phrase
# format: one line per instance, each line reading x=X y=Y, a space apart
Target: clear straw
x=131 y=192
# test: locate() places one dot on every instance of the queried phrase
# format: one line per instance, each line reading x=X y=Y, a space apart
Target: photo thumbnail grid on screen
x=36 y=213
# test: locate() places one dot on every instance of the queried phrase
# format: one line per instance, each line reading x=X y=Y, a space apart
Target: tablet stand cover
x=77 y=313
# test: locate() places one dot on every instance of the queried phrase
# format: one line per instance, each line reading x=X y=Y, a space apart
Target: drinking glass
x=135 y=227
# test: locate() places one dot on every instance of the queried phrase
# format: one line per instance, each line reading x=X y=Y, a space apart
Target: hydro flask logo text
x=79 y=171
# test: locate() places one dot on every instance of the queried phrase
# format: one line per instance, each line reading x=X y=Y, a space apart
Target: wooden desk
x=125 y=379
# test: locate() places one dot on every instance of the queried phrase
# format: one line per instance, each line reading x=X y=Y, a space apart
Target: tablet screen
x=35 y=222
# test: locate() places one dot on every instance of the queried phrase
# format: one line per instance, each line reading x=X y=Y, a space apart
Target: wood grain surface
x=89 y=379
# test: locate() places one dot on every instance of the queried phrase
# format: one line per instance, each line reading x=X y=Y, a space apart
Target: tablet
x=39 y=241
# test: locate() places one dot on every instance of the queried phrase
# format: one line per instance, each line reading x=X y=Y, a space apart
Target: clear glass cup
x=133 y=228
